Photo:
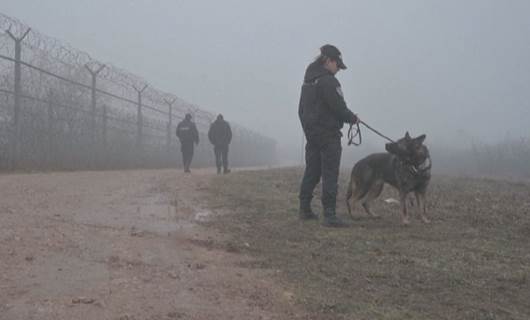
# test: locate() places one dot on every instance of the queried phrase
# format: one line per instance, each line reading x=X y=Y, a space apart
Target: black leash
x=352 y=133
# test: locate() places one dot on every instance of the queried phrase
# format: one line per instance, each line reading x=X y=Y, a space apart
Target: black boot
x=331 y=219
x=305 y=211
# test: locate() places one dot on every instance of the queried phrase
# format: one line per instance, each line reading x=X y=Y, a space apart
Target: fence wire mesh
x=62 y=109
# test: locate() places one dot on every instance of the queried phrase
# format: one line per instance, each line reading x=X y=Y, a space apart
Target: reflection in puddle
x=166 y=219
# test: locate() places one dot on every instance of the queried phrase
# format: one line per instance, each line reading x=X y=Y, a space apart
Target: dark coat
x=220 y=133
x=187 y=132
x=322 y=109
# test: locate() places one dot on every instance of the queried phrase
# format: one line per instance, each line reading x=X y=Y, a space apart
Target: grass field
x=471 y=262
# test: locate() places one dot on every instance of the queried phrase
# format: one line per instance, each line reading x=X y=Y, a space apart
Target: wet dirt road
x=122 y=245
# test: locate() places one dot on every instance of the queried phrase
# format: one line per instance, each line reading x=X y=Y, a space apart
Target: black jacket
x=187 y=132
x=322 y=109
x=220 y=133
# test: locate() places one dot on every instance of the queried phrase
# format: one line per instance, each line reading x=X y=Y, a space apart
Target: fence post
x=105 y=150
x=139 y=119
x=18 y=77
x=94 y=74
x=169 y=124
x=50 y=129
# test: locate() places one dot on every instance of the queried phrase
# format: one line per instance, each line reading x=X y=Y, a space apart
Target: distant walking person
x=188 y=135
x=220 y=136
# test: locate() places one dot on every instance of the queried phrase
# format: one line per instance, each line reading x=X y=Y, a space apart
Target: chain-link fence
x=62 y=109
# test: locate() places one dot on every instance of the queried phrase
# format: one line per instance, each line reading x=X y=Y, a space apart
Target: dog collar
x=423 y=167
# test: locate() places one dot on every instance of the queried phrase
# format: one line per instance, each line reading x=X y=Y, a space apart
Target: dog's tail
x=349 y=194
x=361 y=176
x=356 y=187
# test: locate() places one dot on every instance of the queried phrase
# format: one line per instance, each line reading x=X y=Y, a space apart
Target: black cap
x=333 y=53
x=188 y=116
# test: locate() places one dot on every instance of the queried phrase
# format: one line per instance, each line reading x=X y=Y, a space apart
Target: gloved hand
x=355 y=119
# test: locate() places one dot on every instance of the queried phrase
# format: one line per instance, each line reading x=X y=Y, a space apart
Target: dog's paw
x=405 y=222
x=426 y=220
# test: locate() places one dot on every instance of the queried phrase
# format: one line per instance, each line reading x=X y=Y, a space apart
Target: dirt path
x=122 y=245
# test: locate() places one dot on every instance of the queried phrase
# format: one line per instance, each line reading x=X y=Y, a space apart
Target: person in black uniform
x=220 y=135
x=323 y=111
x=188 y=135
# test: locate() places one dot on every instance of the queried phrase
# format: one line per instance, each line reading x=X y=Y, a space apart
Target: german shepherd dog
x=406 y=166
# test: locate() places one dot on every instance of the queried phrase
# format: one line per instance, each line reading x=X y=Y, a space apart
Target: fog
x=458 y=71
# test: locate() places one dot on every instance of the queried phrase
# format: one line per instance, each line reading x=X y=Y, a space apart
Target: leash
x=353 y=133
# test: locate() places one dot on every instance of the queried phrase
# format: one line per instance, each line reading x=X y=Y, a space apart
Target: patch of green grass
x=471 y=262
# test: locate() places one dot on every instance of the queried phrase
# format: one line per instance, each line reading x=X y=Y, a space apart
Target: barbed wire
x=46 y=51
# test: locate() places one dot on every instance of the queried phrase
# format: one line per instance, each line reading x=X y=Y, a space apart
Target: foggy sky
x=455 y=70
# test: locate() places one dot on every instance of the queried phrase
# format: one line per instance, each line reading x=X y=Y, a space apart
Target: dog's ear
x=394 y=148
x=407 y=135
x=420 y=139
x=390 y=147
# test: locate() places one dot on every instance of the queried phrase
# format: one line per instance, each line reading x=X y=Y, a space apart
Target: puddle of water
x=153 y=216
x=157 y=218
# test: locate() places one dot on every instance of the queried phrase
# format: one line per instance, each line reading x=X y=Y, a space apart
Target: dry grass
x=472 y=262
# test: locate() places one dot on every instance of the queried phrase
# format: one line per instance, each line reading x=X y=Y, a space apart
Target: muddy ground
x=159 y=244
x=125 y=245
